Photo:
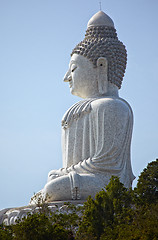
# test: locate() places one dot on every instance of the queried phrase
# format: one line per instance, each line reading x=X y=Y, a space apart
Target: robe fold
x=96 y=139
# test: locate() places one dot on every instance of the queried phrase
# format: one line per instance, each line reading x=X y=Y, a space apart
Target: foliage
x=144 y=225
x=146 y=191
x=119 y=214
x=6 y=232
x=107 y=210
x=38 y=227
x=116 y=213
x=69 y=219
x=46 y=225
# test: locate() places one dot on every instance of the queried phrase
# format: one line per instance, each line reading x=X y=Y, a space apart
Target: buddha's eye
x=73 y=67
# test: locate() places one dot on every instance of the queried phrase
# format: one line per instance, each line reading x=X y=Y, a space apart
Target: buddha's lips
x=70 y=83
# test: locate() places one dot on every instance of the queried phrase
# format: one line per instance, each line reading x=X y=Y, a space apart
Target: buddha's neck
x=111 y=91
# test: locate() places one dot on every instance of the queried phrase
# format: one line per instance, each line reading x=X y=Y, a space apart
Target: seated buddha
x=96 y=131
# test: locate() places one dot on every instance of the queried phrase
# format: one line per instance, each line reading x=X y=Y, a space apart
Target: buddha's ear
x=102 y=75
x=102 y=63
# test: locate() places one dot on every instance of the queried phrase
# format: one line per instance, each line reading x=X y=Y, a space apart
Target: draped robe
x=96 y=139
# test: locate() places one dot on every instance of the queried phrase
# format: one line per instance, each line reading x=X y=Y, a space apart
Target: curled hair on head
x=102 y=41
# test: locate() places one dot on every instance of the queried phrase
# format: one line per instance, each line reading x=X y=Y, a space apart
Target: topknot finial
x=100 y=19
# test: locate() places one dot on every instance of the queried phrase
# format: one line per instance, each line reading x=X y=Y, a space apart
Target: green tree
x=106 y=211
x=6 y=232
x=146 y=191
x=70 y=219
x=144 y=225
x=38 y=226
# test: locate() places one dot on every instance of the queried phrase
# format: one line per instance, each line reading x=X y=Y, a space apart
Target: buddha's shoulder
x=112 y=103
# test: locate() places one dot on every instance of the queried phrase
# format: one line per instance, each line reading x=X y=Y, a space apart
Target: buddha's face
x=82 y=77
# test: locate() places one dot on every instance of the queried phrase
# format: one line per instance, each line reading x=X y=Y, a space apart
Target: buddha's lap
x=61 y=188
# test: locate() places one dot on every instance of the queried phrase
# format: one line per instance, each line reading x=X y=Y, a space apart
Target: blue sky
x=37 y=37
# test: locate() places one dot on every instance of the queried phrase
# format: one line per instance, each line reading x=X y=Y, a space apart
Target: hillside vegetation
x=116 y=213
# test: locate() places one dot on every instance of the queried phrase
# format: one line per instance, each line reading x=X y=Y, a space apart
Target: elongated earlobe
x=102 y=62
x=102 y=75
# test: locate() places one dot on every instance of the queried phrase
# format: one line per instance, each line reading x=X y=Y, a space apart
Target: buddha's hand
x=54 y=174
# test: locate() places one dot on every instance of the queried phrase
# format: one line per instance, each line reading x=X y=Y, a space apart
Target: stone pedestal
x=9 y=216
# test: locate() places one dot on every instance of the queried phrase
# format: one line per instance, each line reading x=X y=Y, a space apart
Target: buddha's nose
x=67 y=76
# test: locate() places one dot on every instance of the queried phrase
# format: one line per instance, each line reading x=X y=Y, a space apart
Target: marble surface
x=100 y=19
x=11 y=215
x=96 y=131
x=96 y=145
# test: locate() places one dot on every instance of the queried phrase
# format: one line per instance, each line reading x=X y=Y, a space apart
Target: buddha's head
x=98 y=63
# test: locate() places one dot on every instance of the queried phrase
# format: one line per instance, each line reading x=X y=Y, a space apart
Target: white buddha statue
x=97 y=131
